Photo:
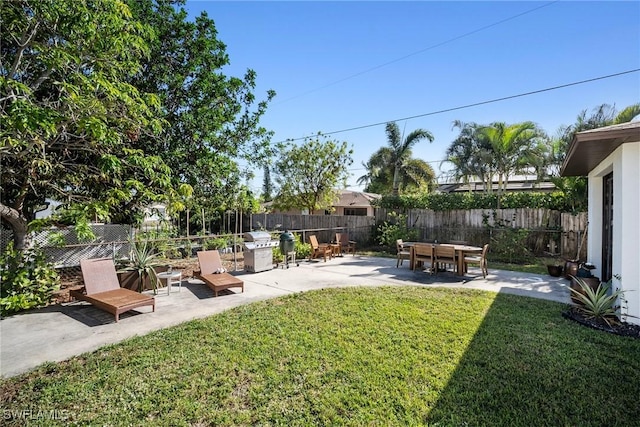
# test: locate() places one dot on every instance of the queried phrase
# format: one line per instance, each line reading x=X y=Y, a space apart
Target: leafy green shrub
x=216 y=243
x=510 y=245
x=395 y=229
x=27 y=280
x=303 y=250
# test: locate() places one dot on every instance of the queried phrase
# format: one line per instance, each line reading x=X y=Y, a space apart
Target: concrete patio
x=59 y=332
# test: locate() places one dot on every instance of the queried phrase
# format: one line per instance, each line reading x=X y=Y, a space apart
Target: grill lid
x=257 y=236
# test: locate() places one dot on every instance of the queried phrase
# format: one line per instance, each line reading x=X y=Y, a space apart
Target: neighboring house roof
x=346 y=198
x=590 y=147
x=356 y=199
x=515 y=184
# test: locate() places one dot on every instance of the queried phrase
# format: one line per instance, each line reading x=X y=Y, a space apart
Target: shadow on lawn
x=544 y=372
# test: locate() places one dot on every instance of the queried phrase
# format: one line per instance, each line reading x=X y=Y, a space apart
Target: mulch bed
x=618 y=328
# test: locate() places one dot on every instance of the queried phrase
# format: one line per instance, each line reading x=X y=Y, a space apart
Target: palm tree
x=417 y=175
x=628 y=114
x=471 y=155
x=512 y=145
x=603 y=115
x=400 y=151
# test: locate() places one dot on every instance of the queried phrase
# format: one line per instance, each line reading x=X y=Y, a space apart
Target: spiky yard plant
x=143 y=260
x=597 y=304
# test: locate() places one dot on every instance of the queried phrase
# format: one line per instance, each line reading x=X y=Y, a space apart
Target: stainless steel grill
x=258 y=255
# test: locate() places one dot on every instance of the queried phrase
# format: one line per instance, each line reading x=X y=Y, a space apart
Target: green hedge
x=27 y=280
x=451 y=201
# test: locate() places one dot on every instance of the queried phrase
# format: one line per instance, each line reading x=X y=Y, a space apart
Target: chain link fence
x=63 y=249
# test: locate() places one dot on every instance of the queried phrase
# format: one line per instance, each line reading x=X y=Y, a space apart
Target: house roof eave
x=589 y=148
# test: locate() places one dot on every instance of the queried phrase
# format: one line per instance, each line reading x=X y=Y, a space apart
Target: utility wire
x=451 y=40
x=491 y=101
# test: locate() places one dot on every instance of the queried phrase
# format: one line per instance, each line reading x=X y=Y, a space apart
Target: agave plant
x=144 y=261
x=598 y=303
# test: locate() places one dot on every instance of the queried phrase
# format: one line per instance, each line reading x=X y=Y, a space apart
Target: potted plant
x=141 y=265
x=581 y=278
x=556 y=269
x=571 y=265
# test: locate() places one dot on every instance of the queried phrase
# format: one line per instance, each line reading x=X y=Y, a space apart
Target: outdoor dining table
x=461 y=252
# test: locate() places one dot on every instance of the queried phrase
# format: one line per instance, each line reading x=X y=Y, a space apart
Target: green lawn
x=358 y=356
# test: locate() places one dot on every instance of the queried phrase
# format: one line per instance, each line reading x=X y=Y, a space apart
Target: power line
x=393 y=61
x=472 y=105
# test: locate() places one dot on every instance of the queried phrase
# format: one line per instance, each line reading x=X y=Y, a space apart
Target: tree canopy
x=69 y=116
x=213 y=119
x=108 y=106
x=310 y=175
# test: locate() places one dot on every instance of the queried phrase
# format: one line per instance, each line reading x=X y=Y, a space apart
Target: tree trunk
x=396 y=180
x=18 y=224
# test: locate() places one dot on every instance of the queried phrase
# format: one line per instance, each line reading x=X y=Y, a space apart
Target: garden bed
x=616 y=327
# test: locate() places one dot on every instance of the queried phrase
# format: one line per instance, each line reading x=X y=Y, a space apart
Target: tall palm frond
x=628 y=114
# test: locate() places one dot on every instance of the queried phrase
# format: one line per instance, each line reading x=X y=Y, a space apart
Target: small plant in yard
x=143 y=261
x=599 y=304
x=27 y=280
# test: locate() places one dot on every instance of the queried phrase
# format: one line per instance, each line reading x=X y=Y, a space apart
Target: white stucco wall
x=625 y=164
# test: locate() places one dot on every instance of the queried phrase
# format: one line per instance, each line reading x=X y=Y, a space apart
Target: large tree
x=396 y=161
x=310 y=174
x=213 y=119
x=69 y=118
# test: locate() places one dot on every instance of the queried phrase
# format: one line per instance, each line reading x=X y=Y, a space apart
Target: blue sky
x=340 y=65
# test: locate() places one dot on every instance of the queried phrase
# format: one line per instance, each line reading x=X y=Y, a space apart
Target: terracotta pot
x=570 y=269
x=592 y=282
x=130 y=280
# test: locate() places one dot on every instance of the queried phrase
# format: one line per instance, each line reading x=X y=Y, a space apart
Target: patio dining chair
x=423 y=252
x=480 y=260
x=402 y=252
x=444 y=254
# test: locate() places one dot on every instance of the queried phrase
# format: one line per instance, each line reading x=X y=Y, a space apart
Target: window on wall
x=355 y=211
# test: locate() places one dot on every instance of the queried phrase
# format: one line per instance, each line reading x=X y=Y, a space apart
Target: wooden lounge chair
x=102 y=289
x=318 y=249
x=480 y=260
x=212 y=273
x=347 y=245
x=423 y=252
x=401 y=252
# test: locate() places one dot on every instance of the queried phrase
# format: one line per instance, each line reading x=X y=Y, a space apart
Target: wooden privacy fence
x=359 y=228
x=550 y=232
